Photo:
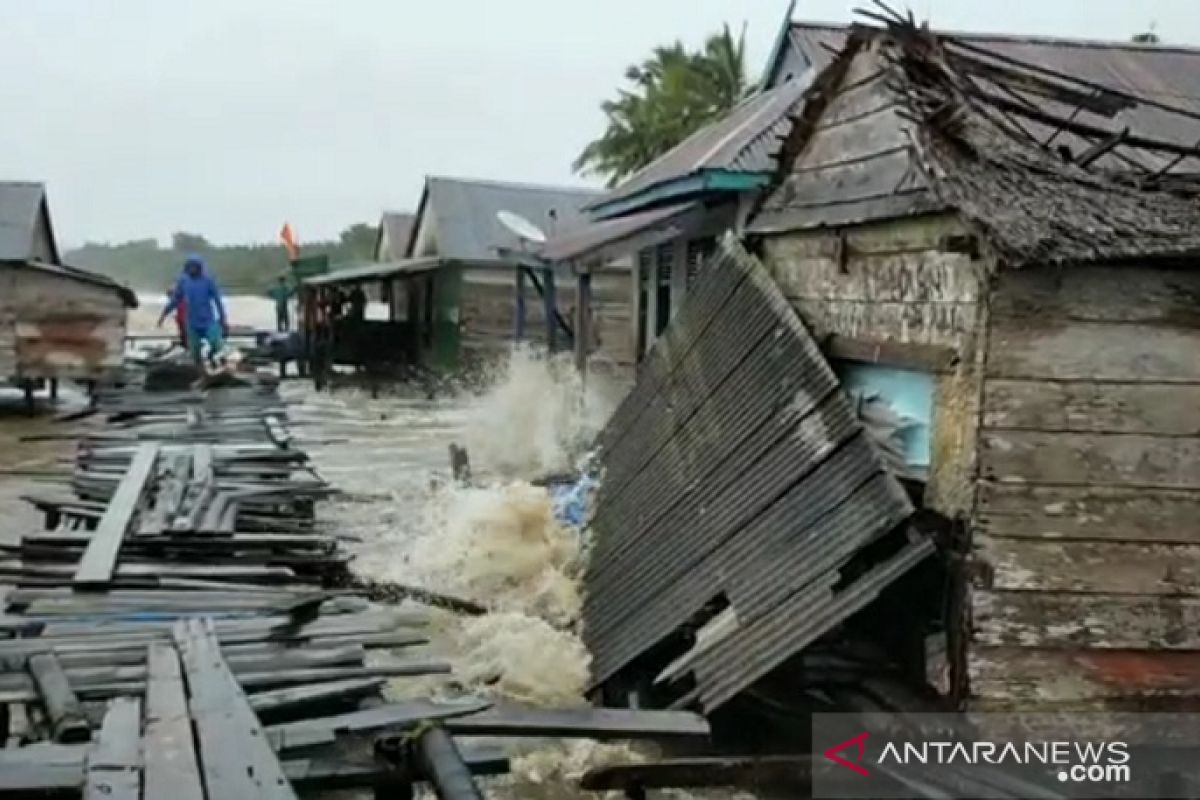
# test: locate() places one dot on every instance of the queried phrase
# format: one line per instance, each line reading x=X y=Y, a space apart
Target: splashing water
x=537 y=418
x=500 y=545
x=496 y=542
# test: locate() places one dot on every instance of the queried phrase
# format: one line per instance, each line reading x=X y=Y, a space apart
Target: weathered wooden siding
x=1087 y=531
x=895 y=282
x=8 y=332
x=53 y=326
x=488 y=312
x=855 y=163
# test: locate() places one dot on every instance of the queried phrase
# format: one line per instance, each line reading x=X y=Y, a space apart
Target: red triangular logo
x=860 y=742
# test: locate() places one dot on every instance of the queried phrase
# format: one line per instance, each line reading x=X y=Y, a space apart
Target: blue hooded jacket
x=200 y=295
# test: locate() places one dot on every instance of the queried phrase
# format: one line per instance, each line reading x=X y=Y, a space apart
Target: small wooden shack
x=1001 y=236
x=337 y=331
x=478 y=283
x=56 y=322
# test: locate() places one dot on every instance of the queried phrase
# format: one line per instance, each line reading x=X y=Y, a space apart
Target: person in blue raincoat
x=201 y=297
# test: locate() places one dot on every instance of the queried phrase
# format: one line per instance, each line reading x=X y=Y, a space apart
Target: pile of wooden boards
x=174 y=632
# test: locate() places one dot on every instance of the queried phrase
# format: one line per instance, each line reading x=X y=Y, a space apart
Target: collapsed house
x=56 y=322
x=999 y=253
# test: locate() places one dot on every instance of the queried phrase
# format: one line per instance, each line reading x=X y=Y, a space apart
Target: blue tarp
x=571 y=500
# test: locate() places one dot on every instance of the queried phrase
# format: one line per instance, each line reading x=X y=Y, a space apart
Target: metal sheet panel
x=746 y=139
x=19 y=206
x=735 y=469
x=1165 y=74
x=465 y=214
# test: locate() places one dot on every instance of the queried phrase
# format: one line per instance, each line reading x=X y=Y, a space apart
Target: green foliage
x=672 y=94
x=240 y=269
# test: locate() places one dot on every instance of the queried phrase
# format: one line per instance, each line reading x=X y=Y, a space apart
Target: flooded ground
x=496 y=542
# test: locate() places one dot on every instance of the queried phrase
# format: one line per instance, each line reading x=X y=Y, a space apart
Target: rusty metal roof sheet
x=744 y=140
x=359 y=273
x=1162 y=73
x=735 y=472
x=19 y=205
x=465 y=214
x=398 y=227
x=128 y=297
x=580 y=241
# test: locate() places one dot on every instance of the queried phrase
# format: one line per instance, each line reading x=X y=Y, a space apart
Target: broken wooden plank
x=346 y=772
x=506 y=720
x=114 y=766
x=24 y=771
x=276 y=700
x=236 y=759
x=173 y=476
x=100 y=558
x=392 y=716
x=67 y=722
x=171 y=767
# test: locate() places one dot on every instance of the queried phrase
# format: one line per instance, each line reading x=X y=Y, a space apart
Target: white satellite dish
x=523 y=228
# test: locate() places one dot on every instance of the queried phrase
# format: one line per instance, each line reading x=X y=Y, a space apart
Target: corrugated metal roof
x=398 y=227
x=593 y=235
x=744 y=140
x=735 y=470
x=19 y=206
x=1165 y=74
x=368 y=272
x=465 y=214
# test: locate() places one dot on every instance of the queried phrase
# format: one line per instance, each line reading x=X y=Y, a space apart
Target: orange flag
x=289 y=241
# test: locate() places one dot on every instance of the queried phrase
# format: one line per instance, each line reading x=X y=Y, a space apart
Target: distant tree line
x=240 y=269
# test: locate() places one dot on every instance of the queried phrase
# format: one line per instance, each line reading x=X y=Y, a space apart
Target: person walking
x=281 y=293
x=201 y=296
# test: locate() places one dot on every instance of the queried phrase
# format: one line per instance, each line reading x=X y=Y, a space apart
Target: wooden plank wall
x=488 y=312
x=894 y=282
x=61 y=328
x=1088 y=525
x=855 y=164
x=8 y=332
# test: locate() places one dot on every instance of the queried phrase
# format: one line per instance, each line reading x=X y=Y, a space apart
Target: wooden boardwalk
x=176 y=630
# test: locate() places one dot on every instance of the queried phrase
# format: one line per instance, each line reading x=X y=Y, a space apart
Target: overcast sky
x=228 y=117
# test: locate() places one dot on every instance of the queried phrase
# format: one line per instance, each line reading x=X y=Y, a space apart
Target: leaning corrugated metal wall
x=735 y=470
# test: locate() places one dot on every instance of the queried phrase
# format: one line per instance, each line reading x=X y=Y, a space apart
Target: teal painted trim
x=653 y=194
x=714 y=180
x=725 y=181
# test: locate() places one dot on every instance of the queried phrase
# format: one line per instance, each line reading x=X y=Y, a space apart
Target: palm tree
x=673 y=93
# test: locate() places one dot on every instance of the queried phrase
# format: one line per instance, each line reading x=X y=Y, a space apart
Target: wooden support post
x=583 y=321
x=519 y=306
x=443 y=765
x=679 y=265
x=460 y=463
x=67 y=721
x=651 y=278
x=550 y=306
